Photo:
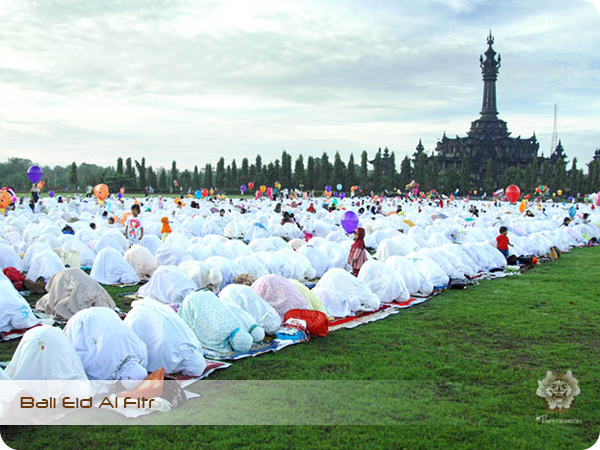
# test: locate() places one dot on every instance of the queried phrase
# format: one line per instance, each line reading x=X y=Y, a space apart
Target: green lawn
x=467 y=364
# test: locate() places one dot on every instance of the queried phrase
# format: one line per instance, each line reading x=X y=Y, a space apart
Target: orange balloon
x=4 y=199
x=522 y=207
x=101 y=192
x=263 y=188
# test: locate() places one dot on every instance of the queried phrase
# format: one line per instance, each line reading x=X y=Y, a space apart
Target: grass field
x=474 y=358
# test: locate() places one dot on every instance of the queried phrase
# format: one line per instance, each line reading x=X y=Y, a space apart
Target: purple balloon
x=243 y=188
x=342 y=195
x=51 y=194
x=349 y=221
x=327 y=188
x=335 y=194
x=35 y=174
x=358 y=188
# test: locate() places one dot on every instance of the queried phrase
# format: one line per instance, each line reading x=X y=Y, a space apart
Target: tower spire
x=489 y=69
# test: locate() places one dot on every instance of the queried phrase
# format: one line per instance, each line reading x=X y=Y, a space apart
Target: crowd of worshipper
x=221 y=274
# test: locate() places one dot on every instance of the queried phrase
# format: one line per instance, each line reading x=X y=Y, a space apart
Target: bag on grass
x=554 y=253
x=15 y=277
x=316 y=322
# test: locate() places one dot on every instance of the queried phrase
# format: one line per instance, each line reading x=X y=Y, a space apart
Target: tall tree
x=350 y=173
x=285 y=177
x=532 y=171
x=152 y=179
x=405 y=173
x=196 y=178
x=141 y=168
x=259 y=177
x=299 y=176
x=420 y=172
x=162 y=180
x=245 y=172
x=73 y=176
x=208 y=176
x=310 y=174
x=339 y=171
x=129 y=172
x=560 y=175
x=364 y=170
x=326 y=169
x=391 y=176
x=234 y=181
x=432 y=177
x=120 y=165
x=220 y=173
x=547 y=173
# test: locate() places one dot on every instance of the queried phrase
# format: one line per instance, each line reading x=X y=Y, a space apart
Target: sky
x=194 y=80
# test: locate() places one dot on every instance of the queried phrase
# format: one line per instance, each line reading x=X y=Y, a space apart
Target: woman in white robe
x=44 y=353
x=169 y=284
x=109 y=349
x=264 y=314
x=170 y=341
x=110 y=267
x=15 y=312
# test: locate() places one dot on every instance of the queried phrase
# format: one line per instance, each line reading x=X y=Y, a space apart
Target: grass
x=466 y=363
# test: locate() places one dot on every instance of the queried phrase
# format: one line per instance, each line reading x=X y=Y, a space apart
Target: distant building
x=489 y=136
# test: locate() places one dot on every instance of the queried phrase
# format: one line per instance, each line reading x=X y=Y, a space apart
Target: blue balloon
x=572 y=211
x=198 y=193
x=339 y=187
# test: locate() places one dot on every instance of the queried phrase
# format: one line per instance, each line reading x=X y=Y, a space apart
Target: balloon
x=358 y=188
x=243 y=188
x=270 y=192
x=175 y=183
x=327 y=188
x=198 y=193
x=339 y=187
x=572 y=211
x=559 y=192
x=101 y=192
x=349 y=221
x=251 y=185
x=522 y=207
x=335 y=194
x=335 y=201
x=263 y=188
x=512 y=193
x=4 y=199
x=342 y=195
x=211 y=192
x=571 y=198
x=258 y=193
x=35 y=174
x=122 y=191
x=204 y=192
x=51 y=194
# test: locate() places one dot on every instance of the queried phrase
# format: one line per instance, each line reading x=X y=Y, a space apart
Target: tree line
x=310 y=173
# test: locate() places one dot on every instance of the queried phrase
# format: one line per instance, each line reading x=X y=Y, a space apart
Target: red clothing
x=502 y=242
x=358 y=254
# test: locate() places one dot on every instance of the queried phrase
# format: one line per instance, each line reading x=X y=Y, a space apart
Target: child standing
x=502 y=242
x=166 y=228
x=358 y=253
x=134 y=231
